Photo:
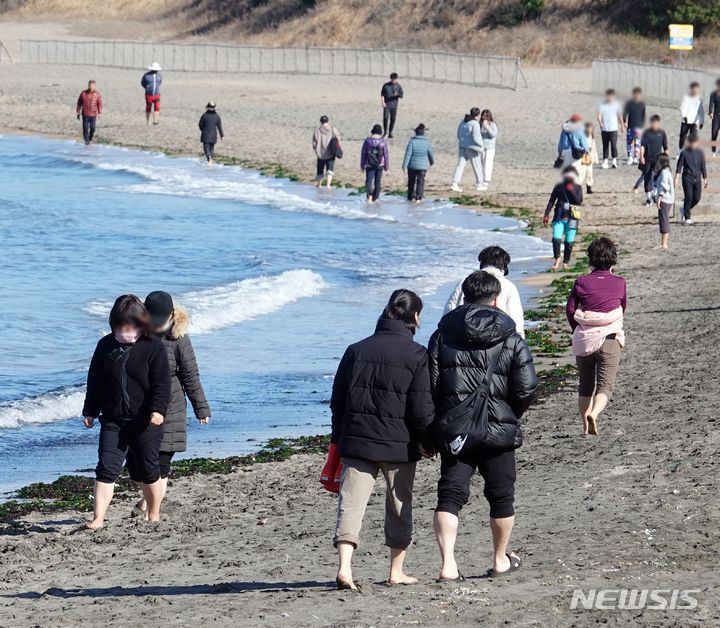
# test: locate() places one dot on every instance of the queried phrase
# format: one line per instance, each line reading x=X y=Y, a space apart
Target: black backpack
x=374 y=155
x=465 y=427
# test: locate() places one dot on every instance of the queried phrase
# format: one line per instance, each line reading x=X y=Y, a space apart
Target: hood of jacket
x=181 y=324
x=478 y=325
x=325 y=129
x=572 y=127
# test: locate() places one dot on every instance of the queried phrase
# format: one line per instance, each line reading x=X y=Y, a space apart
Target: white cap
x=154 y=67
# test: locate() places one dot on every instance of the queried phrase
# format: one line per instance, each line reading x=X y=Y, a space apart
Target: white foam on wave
x=52 y=406
x=227 y=305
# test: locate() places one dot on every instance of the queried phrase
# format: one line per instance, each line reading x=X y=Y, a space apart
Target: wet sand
x=635 y=508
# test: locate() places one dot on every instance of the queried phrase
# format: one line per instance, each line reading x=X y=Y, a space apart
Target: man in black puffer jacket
x=460 y=351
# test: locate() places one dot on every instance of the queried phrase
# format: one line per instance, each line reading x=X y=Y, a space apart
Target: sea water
x=278 y=278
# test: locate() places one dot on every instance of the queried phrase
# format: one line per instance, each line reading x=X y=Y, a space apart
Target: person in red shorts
x=151 y=82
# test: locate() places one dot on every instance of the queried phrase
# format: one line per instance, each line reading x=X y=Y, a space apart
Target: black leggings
x=389 y=116
x=136 y=441
x=373 y=182
x=209 y=150
x=557 y=245
x=497 y=468
x=715 y=130
x=416 y=184
x=692 y=189
x=609 y=142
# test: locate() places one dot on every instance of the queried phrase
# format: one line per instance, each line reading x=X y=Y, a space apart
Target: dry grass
x=570 y=32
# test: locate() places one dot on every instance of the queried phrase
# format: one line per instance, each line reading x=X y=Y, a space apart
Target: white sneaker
x=714 y=155
x=481 y=188
x=689 y=221
x=630 y=161
x=605 y=165
x=455 y=187
x=614 y=163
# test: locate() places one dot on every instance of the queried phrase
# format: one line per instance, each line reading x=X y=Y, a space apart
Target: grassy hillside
x=538 y=31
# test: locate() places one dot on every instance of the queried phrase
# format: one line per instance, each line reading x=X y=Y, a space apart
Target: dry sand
x=636 y=507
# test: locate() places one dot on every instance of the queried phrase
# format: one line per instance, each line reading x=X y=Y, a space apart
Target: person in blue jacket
x=151 y=82
x=573 y=143
x=418 y=159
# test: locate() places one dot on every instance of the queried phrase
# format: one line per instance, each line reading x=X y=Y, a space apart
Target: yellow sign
x=681 y=36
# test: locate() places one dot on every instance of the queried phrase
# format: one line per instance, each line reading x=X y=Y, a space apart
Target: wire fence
x=413 y=64
x=663 y=83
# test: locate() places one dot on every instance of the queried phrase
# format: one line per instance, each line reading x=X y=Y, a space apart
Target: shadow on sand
x=179 y=589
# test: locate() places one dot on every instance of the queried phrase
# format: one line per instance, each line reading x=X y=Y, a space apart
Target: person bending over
x=381 y=408
x=128 y=387
x=565 y=197
x=468 y=340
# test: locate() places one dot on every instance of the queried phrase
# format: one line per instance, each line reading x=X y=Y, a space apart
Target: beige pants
x=357 y=484
x=598 y=371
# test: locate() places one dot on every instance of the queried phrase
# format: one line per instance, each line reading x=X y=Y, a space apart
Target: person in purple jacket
x=374 y=160
x=595 y=311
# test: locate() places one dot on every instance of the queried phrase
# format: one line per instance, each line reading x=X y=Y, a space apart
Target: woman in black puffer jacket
x=381 y=409
x=170 y=323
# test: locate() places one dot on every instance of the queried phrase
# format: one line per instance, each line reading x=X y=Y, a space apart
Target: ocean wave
x=230 y=304
x=52 y=406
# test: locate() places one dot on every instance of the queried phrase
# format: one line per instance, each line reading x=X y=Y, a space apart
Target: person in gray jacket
x=471 y=146
x=210 y=127
x=418 y=159
x=171 y=321
x=325 y=142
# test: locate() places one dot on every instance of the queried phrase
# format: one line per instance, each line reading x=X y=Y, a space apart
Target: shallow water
x=278 y=278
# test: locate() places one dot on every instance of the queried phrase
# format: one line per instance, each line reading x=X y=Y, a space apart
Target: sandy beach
x=635 y=508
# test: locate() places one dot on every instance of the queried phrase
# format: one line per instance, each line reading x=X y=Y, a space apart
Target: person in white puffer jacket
x=495 y=261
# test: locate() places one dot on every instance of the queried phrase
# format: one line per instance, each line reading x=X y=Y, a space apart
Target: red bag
x=332 y=471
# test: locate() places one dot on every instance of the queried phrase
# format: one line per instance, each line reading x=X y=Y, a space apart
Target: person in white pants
x=489 y=131
x=470 y=148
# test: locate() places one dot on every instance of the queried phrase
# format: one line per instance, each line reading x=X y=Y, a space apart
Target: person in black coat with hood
x=128 y=387
x=466 y=341
x=381 y=409
x=210 y=128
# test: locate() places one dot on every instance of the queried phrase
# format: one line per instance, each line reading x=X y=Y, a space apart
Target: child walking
x=588 y=160
x=665 y=196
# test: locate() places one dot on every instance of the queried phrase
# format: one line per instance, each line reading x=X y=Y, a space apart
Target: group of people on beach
x=393 y=403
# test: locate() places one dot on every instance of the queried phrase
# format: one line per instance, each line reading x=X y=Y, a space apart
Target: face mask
x=127 y=338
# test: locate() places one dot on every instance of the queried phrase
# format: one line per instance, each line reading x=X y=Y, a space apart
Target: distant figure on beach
x=692 y=113
x=374 y=160
x=89 y=107
x=381 y=409
x=151 y=82
x=210 y=129
x=692 y=171
x=653 y=144
x=610 y=119
x=714 y=113
x=564 y=200
x=595 y=310
x=128 y=387
x=589 y=160
x=664 y=197
x=634 y=119
x=496 y=261
x=489 y=132
x=471 y=146
x=326 y=144
x=572 y=144
x=390 y=96
x=416 y=162
x=476 y=354
x=170 y=322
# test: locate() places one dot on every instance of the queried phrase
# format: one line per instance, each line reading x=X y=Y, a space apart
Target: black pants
x=692 y=189
x=136 y=441
x=609 y=142
x=164 y=463
x=88 y=123
x=557 y=246
x=497 y=468
x=209 y=150
x=685 y=129
x=416 y=184
x=715 y=130
x=389 y=116
x=373 y=182
x=649 y=174
x=324 y=165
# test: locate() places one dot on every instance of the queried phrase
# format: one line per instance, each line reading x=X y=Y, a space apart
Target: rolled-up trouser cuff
x=502 y=509
x=346 y=538
x=451 y=507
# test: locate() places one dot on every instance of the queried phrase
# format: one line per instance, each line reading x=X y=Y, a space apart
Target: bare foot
x=585 y=426
x=402 y=579
x=329 y=187
x=154 y=518
x=592 y=426
x=345 y=583
x=95 y=524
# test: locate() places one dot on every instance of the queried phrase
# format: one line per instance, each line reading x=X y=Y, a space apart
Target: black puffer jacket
x=381 y=402
x=210 y=126
x=458 y=360
x=185 y=381
x=127 y=382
